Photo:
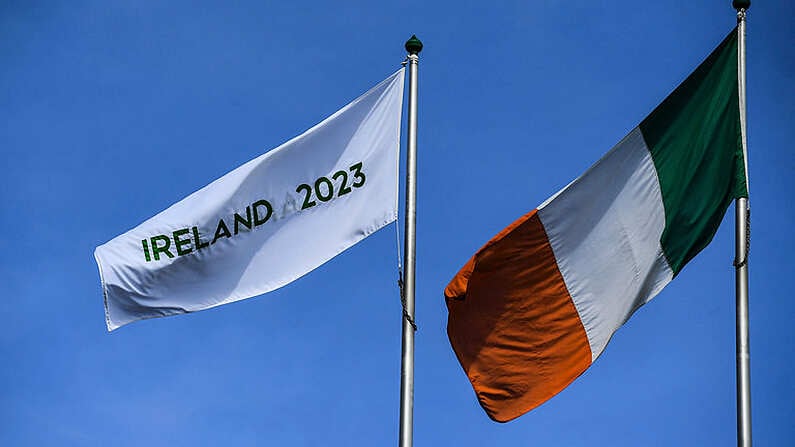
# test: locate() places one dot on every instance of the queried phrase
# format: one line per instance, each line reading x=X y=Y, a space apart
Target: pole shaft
x=741 y=271
x=743 y=352
x=407 y=349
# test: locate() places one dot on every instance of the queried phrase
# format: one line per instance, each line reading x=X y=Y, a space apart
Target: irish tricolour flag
x=534 y=307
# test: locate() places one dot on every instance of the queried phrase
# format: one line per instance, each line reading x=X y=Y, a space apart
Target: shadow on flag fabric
x=536 y=305
x=266 y=223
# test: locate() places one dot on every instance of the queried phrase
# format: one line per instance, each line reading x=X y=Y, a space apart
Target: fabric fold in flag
x=266 y=223
x=536 y=305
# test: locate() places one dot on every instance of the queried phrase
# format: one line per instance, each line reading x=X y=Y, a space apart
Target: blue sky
x=112 y=111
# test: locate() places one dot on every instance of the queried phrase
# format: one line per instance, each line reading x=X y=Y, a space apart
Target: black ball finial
x=741 y=4
x=413 y=45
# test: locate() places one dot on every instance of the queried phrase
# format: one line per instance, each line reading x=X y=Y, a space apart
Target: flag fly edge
x=262 y=219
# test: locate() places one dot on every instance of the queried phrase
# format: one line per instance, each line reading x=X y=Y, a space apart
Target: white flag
x=266 y=223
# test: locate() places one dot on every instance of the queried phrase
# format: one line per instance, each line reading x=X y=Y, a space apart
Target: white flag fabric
x=266 y=223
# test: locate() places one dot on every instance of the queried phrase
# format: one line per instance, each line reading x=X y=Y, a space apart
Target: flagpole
x=413 y=47
x=742 y=214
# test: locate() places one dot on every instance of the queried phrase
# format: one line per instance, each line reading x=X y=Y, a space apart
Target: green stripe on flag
x=694 y=140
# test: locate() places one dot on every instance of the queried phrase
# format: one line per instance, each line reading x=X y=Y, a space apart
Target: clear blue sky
x=111 y=111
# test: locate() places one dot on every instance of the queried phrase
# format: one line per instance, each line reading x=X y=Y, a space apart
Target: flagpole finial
x=413 y=45
x=741 y=4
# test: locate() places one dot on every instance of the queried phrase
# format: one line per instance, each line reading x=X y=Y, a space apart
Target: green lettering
x=246 y=222
x=196 y=241
x=180 y=243
x=156 y=250
x=221 y=231
x=257 y=220
x=145 y=244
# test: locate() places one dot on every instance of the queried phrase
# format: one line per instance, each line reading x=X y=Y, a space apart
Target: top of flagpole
x=739 y=4
x=413 y=45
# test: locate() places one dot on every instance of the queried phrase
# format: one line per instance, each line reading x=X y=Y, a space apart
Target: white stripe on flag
x=605 y=230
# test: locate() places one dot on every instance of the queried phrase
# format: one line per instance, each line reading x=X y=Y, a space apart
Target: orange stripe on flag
x=512 y=323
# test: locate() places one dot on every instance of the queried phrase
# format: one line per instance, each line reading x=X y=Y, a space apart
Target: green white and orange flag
x=536 y=305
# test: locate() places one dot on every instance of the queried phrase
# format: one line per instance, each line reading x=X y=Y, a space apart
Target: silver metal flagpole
x=742 y=213
x=413 y=46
